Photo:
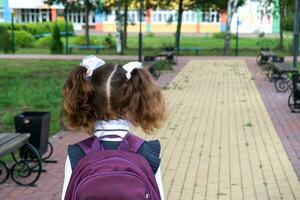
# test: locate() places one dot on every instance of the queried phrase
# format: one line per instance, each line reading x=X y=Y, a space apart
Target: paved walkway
x=287 y=124
x=218 y=142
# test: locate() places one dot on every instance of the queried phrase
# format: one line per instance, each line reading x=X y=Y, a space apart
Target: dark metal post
x=237 y=37
x=12 y=33
x=140 y=33
x=66 y=29
x=296 y=32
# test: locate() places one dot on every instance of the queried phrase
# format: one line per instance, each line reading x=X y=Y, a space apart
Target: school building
x=252 y=18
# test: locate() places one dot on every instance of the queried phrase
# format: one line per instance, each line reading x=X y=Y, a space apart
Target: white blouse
x=120 y=128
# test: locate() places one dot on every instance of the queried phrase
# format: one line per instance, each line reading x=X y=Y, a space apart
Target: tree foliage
x=56 y=43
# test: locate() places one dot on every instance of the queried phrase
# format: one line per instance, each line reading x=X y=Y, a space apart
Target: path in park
x=218 y=141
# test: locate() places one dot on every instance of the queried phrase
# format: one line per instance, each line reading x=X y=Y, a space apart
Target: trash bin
x=37 y=124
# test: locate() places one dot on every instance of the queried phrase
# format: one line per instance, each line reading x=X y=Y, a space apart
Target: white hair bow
x=129 y=67
x=91 y=63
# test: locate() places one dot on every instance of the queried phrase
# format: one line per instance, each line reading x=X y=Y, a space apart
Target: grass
x=32 y=86
x=153 y=44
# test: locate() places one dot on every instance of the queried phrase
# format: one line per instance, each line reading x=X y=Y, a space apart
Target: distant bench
x=195 y=49
x=281 y=71
x=168 y=54
x=86 y=47
x=264 y=57
x=37 y=36
x=149 y=64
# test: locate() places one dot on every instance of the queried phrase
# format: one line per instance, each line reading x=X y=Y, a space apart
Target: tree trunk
x=86 y=28
x=231 y=8
x=178 y=30
x=119 y=30
x=281 y=14
x=125 y=24
x=228 y=27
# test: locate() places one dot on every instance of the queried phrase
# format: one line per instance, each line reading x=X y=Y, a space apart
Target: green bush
x=38 y=29
x=288 y=23
x=109 y=41
x=23 y=39
x=265 y=42
x=44 y=42
x=80 y=40
x=4 y=39
x=56 y=43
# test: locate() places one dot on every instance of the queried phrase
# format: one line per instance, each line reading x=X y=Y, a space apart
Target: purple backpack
x=120 y=174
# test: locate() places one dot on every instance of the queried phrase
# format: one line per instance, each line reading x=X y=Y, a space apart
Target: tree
x=87 y=5
x=280 y=8
x=182 y=6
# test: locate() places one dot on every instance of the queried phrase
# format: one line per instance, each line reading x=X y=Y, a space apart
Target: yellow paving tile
x=218 y=141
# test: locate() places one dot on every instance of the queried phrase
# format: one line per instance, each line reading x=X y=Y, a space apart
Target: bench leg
x=294 y=103
x=48 y=154
x=4 y=172
x=28 y=167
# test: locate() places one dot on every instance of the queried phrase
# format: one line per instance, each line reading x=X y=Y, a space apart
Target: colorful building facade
x=251 y=18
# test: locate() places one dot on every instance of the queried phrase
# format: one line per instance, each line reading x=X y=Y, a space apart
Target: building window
x=154 y=17
x=159 y=17
x=210 y=16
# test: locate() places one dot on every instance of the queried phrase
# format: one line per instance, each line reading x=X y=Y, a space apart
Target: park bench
x=271 y=73
x=27 y=166
x=282 y=79
x=38 y=36
x=149 y=64
x=168 y=54
x=195 y=49
x=265 y=56
x=294 y=98
x=86 y=47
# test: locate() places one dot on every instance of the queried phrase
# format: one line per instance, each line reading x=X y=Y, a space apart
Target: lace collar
x=116 y=127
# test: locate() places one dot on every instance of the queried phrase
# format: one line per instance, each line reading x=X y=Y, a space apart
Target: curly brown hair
x=109 y=95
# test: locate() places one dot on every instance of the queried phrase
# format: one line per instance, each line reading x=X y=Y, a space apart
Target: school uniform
x=150 y=150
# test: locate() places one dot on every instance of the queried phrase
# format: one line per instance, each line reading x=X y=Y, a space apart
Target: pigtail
x=78 y=109
x=141 y=99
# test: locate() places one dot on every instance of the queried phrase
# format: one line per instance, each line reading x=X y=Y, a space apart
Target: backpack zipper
x=147 y=195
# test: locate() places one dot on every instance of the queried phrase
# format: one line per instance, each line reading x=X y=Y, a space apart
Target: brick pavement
x=286 y=123
x=218 y=142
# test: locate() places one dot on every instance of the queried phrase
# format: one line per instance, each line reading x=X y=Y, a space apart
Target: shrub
x=288 y=23
x=4 y=39
x=150 y=34
x=261 y=34
x=38 y=29
x=23 y=39
x=56 y=43
x=109 y=41
x=44 y=42
x=80 y=40
x=265 y=42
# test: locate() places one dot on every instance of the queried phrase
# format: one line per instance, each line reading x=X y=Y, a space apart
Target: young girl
x=104 y=99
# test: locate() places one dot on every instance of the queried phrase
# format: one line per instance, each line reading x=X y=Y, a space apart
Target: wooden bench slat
x=7 y=137
x=15 y=142
x=284 y=67
x=267 y=53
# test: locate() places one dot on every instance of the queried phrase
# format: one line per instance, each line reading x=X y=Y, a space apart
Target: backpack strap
x=130 y=143
x=134 y=142
x=86 y=144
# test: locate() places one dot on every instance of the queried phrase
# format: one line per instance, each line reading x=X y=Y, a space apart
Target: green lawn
x=31 y=86
x=153 y=44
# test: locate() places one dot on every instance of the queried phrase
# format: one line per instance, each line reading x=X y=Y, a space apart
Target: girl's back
x=104 y=100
